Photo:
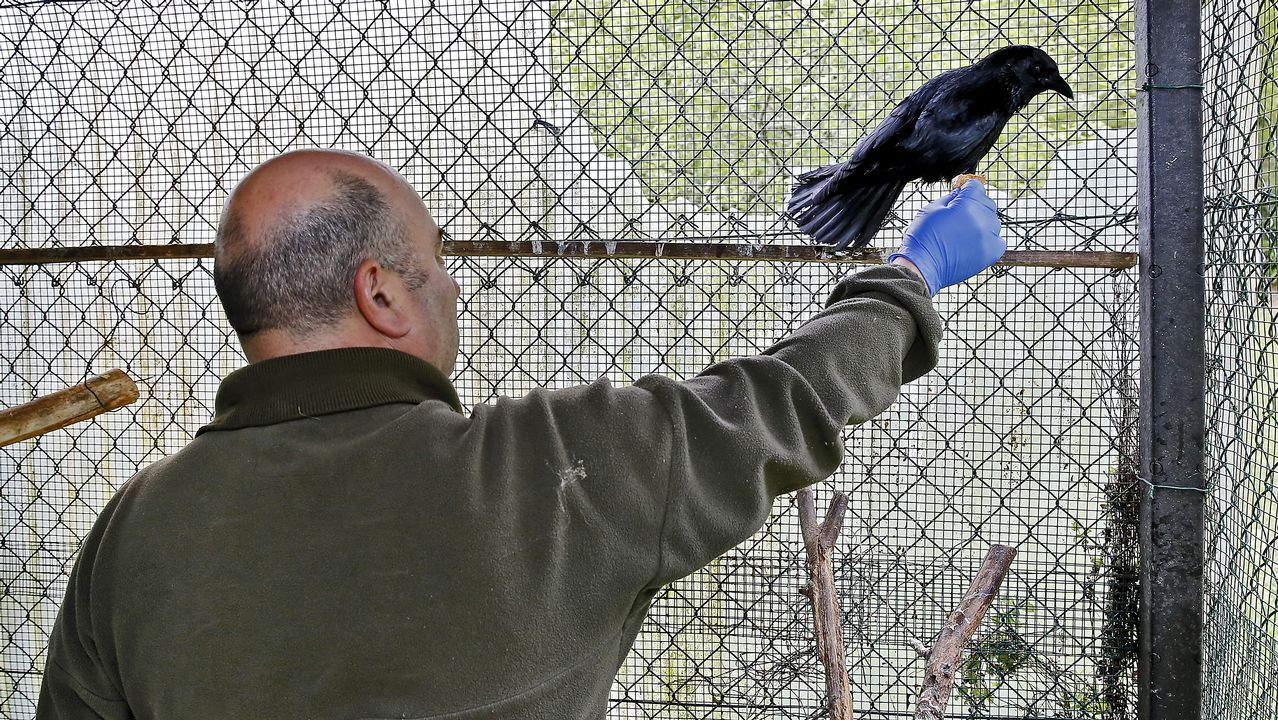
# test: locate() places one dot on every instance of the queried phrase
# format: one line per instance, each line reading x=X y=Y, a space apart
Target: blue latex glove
x=954 y=238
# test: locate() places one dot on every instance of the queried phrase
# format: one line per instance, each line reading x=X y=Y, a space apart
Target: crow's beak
x=1057 y=83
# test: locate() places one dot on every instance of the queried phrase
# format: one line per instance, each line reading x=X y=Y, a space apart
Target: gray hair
x=298 y=276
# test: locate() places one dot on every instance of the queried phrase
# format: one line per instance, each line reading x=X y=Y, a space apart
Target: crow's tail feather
x=845 y=217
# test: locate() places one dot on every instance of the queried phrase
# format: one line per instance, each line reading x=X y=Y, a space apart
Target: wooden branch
x=633 y=249
x=108 y=391
x=944 y=656
x=818 y=540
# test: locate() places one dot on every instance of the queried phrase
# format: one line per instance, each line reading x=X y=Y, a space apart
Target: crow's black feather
x=941 y=130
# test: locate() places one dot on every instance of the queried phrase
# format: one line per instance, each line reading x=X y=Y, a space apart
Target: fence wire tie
x=1152 y=487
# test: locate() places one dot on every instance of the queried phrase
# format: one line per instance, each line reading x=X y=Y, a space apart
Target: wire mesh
x=127 y=123
x=1241 y=176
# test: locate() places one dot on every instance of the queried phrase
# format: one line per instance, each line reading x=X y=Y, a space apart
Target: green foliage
x=712 y=100
x=1267 y=136
x=1003 y=653
x=997 y=656
x=1082 y=705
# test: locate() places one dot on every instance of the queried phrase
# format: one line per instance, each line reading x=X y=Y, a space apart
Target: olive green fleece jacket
x=342 y=542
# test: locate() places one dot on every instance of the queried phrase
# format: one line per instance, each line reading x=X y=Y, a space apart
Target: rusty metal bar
x=743 y=252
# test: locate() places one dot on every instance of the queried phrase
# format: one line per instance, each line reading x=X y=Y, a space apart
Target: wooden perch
x=818 y=540
x=109 y=391
x=943 y=658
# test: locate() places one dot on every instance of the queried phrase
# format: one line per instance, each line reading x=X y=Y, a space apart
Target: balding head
x=294 y=182
x=294 y=235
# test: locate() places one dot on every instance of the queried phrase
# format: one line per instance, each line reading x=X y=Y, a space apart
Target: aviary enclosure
x=611 y=177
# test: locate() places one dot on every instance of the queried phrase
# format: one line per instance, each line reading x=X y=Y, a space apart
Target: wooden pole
x=108 y=391
x=818 y=540
x=943 y=658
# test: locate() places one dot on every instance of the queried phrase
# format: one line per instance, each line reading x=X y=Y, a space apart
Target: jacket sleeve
x=76 y=684
x=748 y=430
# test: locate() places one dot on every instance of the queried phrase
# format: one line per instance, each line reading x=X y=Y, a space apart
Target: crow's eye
x=1039 y=69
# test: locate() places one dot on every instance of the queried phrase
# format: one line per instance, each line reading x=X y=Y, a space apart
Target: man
x=341 y=542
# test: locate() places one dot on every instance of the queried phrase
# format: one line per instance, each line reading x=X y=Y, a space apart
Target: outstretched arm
x=748 y=430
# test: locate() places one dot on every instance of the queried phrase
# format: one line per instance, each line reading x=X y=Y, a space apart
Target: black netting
x=127 y=123
x=1241 y=180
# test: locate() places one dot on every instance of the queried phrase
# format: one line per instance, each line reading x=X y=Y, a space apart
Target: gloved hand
x=954 y=238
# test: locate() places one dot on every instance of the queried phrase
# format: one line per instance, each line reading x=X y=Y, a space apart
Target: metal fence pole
x=1172 y=385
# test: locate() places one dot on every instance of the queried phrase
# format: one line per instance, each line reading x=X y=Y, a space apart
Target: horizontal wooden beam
x=738 y=252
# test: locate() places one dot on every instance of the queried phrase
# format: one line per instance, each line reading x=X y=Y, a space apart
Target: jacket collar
x=325 y=382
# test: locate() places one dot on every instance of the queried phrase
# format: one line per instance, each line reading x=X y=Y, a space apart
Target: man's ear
x=380 y=297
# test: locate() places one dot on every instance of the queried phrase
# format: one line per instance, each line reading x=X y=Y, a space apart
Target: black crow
x=941 y=130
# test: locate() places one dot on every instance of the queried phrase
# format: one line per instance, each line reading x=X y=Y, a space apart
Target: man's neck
x=268 y=344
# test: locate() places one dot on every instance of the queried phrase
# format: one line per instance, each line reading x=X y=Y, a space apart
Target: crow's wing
x=877 y=157
x=941 y=130
x=879 y=152
x=956 y=129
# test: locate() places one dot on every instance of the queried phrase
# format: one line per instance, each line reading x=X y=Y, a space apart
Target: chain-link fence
x=1241 y=176
x=540 y=123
